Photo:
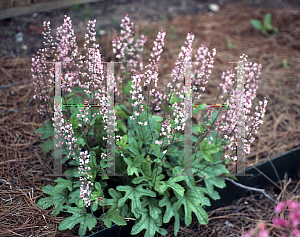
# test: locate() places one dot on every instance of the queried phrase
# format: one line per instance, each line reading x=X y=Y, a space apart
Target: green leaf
x=99 y=189
x=47 y=189
x=218 y=156
x=169 y=213
x=47 y=145
x=77 y=100
x=78 y=217
x=113 y=203
x=200 y=129
x=160 y=186
x=199 y=108
x=70 y=101
x=137 y=161
x=95 y=118
x=123 y=140
x=134 y=194
x=173 y=99
x=156 y=149
x=175 y=186
x=113 y=215
x=138 y=180
x=267 y=22
x=153 y=207
x=48 y=130
x=214 y=181
x=157 y=118
x=146 y=169
x=208 y=149
x=121 y=126
x=214 y=195
x=172 y=151
x=93 y=162
x=147 y=222
x=78 y=89
x=191 y=202
x=123 y=108
x=256 y=24
x=74 y=121
x=127 y=89
x=75 y=196
x=45 y=202
x=61 y=184
x=133 y=146
x=143 y=134
x=59 y=200
x=80 y=141
x=70 y=94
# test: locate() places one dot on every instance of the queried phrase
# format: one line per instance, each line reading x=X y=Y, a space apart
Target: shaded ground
x=23 y=165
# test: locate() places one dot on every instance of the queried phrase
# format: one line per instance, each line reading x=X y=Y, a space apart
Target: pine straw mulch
x=23 y=167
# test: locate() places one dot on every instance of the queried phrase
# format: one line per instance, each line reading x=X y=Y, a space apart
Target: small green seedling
x=88 y=12
x=284 y=63
x=230 y=45
x=267 y=28
x=76 y=7
x=10 y=33
x=147 y=31
x=173 y=33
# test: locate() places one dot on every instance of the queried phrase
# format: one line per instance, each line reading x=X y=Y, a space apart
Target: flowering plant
x=149 y=151
x=291 y=225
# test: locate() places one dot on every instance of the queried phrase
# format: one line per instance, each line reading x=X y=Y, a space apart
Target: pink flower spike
x=262 y=226
x=247 y=235
x=296 y=233
x=278 y=221
x=295 y=223
x=292 y=216
x=291 y=204
x=263 y=233
x=279 y=208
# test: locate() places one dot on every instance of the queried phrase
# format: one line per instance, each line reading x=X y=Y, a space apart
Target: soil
x=23 y=164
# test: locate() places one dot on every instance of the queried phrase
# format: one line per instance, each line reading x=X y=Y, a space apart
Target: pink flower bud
x=279 y=208
x=278 y=221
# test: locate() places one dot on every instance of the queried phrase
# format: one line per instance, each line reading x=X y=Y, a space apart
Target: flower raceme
x=291 y=225
x=83 y=129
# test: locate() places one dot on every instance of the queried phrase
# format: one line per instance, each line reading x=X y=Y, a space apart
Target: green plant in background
x=179 y=46
x=284 y=63
x=147 y=31
x=266 y=29
x=76 y=7
x=149 y=150
x=88 y=12
x=230 y=45
x=174 y=35
x=115 y=23
x=10 y=33
x=162 y=17
x=162 y=20
x=279 y=84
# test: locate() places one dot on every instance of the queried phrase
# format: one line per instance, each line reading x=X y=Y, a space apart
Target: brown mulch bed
x=23 y=166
